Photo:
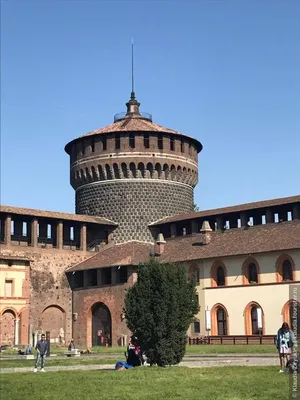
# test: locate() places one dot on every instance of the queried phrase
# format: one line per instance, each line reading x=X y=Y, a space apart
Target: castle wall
x=134 y=204
x=50 y=299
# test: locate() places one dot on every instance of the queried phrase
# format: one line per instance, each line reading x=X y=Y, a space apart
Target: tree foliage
x=159 y=309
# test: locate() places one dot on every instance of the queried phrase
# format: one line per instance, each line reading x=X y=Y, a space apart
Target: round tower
x=133 y=172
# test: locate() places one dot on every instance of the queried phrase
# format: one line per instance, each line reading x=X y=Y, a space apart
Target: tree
x=159 y=309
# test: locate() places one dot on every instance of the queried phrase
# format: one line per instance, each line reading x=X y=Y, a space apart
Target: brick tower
x=133 y=172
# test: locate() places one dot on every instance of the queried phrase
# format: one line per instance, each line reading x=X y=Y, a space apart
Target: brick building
x=67 y=273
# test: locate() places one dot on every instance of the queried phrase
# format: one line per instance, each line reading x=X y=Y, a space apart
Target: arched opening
x=7 y=327
x=254 y=319
x=141 y=170
x=101 y=173
x=54 y=321
x=285 y=268
x=252 y=273
x=116 y=171
x=132 y=170
x=219 y=320
x=94 y=175
x=291 y=314
x=124 y=170
x=166 y=171
x=195 y=326
x=220 y=276
x=150 y=169
x=108 y=171
x=158 y=169
x=287 y=271
x=101 y=325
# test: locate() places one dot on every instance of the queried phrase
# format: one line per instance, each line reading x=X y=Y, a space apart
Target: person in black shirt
x=41 y=348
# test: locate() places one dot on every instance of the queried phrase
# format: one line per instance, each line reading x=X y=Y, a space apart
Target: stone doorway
x=101 y=325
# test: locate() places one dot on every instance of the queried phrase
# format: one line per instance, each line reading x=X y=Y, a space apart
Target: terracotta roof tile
x=131 y=125
x=230 y=209
x=129 y=253
x=53 y=214
x=257 y=239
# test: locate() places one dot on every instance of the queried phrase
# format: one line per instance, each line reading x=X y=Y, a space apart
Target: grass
x=60 y=362
x=196 y=349
x=227 y=383
x=231 y=348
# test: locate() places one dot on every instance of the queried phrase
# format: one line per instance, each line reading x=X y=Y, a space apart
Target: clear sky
x=225 y=72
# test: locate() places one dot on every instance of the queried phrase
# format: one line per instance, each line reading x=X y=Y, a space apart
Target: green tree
x=159 y=309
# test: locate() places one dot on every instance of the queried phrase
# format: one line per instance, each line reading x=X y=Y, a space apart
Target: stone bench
x=72 y=353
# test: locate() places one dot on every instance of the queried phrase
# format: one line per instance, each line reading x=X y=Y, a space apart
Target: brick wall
x=50 y=294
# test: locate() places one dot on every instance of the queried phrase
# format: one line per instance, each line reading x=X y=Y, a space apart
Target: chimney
x=160 y=244
x=206 y=232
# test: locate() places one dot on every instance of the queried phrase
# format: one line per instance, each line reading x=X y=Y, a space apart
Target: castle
x=66 y=274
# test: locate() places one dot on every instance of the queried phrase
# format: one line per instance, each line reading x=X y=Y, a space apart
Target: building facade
x=67 y=274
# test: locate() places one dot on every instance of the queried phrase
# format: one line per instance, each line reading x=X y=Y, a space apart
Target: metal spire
x=132 y=75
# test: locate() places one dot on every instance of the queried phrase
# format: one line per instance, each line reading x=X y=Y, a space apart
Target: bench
x=72 y=353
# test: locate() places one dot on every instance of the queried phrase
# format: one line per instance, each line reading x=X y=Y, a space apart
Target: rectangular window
x=117 y=141
x=106 y=276
x=172 y=143
x=93 y=144
x=8 y=287
x=104 y=143
x=146 y=141
x=78 y=279
x=123 y=274
x=82 y=147
x=182 y=146
x=131 y=141
x=160 y=142
x=91 y=277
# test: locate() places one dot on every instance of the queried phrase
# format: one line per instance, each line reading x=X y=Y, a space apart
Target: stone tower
x=133 y=172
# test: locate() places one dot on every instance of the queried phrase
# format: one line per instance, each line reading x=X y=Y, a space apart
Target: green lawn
x=231 y=348
x=52 y=362
x=227 y=383
x=199 y=349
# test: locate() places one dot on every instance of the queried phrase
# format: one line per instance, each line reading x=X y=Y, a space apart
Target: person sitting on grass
x=42 y=349
x=122 y=365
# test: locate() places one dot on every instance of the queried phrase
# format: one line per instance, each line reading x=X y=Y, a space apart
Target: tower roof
x=134 y=121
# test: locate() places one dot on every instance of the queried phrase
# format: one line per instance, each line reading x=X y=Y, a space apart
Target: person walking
x=285 y=340
x=41 y=348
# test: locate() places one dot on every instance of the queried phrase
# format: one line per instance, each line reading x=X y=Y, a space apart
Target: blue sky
x=225 y=72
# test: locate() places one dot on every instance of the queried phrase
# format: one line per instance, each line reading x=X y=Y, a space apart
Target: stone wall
x=134 y=204
x=50 y=306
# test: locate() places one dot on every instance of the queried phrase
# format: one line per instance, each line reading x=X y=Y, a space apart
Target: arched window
x=220 y=276
x=196 y=326
x=252 y=273
x=287 y=271
x=285 y=268
x=254 y=321
x=221 y=321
